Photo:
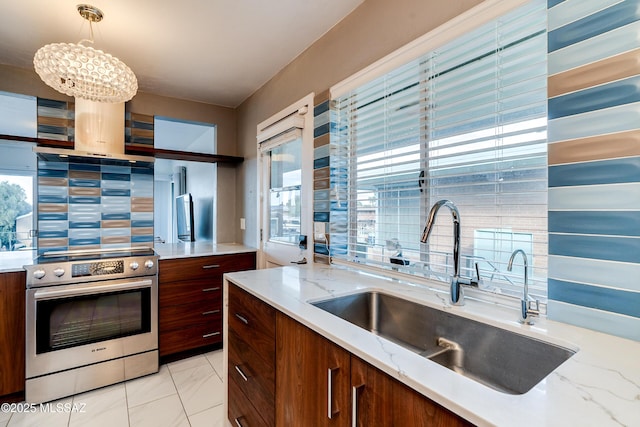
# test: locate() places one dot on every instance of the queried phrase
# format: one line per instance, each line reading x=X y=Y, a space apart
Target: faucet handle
x=477 y=281
x=530 y=309
x=533 y=307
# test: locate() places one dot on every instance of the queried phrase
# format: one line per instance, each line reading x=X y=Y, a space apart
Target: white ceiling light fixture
x=84 y=72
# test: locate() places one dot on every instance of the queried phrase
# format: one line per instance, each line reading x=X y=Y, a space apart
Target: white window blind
x=465 y=122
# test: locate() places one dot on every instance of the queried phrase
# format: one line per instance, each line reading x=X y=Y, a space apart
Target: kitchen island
x=597 y=386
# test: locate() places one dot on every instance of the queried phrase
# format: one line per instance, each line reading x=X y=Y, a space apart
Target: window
x=284 y=191
x=17 y=173
x=281 y=144
x=465 y=122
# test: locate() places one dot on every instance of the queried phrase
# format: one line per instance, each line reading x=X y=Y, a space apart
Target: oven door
x=70 y=326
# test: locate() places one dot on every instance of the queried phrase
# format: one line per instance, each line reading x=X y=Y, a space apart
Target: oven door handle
x=76 y=290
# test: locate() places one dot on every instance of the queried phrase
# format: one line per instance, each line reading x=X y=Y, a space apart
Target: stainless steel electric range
x=91 y=320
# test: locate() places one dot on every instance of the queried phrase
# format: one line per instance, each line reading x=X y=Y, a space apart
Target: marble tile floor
x=188 y=392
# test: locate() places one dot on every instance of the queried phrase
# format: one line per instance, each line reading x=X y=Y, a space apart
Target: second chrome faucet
x=529 y=306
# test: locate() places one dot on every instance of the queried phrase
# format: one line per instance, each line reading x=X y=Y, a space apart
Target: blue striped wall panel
x=604 y=46
x=76 y=201
x=603 y=298
x=614 y=223
x=621 y=92
x=594 y=205
x=593 y=25
x=570 y=11
x=622 y=249
x=592 y=318
x=599 y=172
x=595 y=197
x=605 y=273
x=322 y=181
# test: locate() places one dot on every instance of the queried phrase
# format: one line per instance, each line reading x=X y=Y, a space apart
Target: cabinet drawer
x=253 y=321
x=171 y=270
x=190 y=292
x=186 y=315
x=253 y=376
x=241 y=411
x=194 y=336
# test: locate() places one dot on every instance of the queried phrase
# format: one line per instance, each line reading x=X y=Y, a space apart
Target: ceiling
x=213 y=51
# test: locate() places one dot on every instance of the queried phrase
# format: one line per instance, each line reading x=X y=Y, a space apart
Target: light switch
x=242 y=224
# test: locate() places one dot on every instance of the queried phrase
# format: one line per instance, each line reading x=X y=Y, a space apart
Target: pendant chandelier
x=84 y=72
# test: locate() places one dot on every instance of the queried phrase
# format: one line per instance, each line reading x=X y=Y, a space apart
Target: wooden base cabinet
x=317 y=383
x=320 y=384
x=190 y=300
x=312 y=377
x=251 y=360
x=12 y=332
x=380 y=400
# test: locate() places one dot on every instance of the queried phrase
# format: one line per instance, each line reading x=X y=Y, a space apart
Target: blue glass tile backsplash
x=83 y=206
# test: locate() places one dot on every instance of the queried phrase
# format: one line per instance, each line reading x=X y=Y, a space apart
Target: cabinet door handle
x=212 y=334
x=244 y=377
x=237 y=421
x=330 y=411
x=242 y=319
x=217 y=288
x=206 y=313
x=355 y=394
x=208 y=267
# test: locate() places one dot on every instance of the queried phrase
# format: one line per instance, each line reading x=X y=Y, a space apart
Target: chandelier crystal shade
x=84 y=72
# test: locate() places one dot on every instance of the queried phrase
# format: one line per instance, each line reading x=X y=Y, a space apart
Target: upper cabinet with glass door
x=182 y=135
x=18 y=115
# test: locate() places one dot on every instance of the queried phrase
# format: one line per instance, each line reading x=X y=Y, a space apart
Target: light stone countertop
x=14 y=261
x=193 y=249
x=598 y=386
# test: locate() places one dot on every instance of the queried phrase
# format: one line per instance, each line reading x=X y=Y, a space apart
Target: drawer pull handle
x=206 y=313
x=237 y=421
x=217 y=288
x=330 y=410
x=242 y=319
x=208 y=267
x=244 y=377
x=355 y=392
x=212 y=334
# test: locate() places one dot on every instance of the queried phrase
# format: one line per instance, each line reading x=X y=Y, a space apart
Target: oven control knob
x=148 y=263
x=134 y=265
x=58 y=272
x=39 y=274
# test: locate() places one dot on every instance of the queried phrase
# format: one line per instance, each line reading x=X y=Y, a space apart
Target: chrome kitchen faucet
x=529 y=307
x=456 y=295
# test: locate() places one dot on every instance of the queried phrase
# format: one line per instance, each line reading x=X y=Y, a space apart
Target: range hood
x=99 y=136
x=76 y=156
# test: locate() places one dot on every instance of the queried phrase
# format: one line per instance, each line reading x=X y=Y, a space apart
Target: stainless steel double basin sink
x=503 y=360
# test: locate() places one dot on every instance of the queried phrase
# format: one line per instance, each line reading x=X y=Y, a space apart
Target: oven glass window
x=71 y=322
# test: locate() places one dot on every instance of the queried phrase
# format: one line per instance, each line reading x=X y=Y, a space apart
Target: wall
x=373 y=30
x=594 y=165
x=25 y=81
x=594 y=135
